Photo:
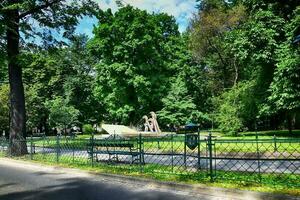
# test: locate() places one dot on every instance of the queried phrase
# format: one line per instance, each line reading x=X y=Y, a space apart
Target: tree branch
x=217 y=50
x=38 y=8
x=222 y=60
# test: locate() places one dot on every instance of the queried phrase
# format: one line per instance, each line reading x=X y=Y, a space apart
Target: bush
x=88 y=129
x=228 y=119
x=61 y=114
x=235 y=108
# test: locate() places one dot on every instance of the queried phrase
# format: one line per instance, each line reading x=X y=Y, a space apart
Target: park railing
x=273 y=161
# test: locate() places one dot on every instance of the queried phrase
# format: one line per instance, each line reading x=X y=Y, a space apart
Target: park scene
x=170 y=99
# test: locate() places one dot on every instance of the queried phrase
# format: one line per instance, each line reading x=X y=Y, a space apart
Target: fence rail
x=248 y=160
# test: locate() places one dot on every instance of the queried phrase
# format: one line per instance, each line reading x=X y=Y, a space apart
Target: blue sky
x=182 y=10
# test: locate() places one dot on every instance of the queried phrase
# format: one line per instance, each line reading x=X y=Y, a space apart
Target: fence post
x=57 y=148
x=9 y=147
x=184 y=156
x=92 y=148
x=73 y=150
x=172 y=151
x=198 y=153
x=209 y=142
x=141 y=157
x=43 y=150
x=31 y=148
x=258 y=157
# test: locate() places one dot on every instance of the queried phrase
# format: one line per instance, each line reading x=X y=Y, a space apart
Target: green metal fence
x=197 y=157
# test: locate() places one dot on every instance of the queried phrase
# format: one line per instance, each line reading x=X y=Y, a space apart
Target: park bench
x=114 y=148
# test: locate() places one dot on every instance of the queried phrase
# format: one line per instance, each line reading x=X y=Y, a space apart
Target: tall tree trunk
x=45 y=123
x=290 y=122
x=236 y=70
x=17 y=100
x=224 y=68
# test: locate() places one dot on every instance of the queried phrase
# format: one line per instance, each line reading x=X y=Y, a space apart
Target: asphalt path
x=21 y=180
x=26 y=182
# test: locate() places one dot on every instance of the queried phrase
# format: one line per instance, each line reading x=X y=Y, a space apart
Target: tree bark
x=224 y=68
x=290 y=120
x=17 y=109
x=236 y=70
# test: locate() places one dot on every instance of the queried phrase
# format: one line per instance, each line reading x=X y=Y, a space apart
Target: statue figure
x=154 y=123
x=148 y=127
x=151 y=125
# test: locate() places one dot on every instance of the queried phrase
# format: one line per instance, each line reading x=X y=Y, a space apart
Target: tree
x=4 y=107
x=3 y=71
x=137 y=57
x=178 y=105
x=208 y=30
x=16 y=17
x=61 y=115
x=59 y=72
x=78 y=86
x=242 y=42
x=285 y=87
x=235 y=109
x=43 y=80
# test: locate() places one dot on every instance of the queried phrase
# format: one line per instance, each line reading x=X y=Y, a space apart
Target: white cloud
x=182 y=10
x=105 y=4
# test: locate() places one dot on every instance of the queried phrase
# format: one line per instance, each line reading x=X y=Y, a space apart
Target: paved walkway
x=26 y=181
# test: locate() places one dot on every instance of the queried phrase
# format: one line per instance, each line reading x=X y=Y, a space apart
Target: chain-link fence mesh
x=273 y=160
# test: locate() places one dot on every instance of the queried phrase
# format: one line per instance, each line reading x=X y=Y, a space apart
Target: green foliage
x=3 y=68
x=40 y=19
x=233 y=108
x=137 y=53
x=208 y=31
x=88 y=129
x=79 y=80
x=236 y=63
x=249 y=41
x=61 y=115
x=66 y=73
x=285 y=88
x=39 y=86
x=4 y=107
x=28 y=23
x=228 y=119
x=178 y=106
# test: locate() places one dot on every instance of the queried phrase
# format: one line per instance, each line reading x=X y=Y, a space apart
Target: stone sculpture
x=147 y=125
x=151 y=125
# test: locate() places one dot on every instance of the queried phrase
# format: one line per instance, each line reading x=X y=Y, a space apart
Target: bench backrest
x=112 y=143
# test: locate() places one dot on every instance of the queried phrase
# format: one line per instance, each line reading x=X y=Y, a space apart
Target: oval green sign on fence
x=191 y=141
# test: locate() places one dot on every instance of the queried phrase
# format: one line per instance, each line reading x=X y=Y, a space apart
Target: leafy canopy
x=137 y=57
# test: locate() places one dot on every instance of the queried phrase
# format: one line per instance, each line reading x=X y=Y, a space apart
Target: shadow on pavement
x=80 y=189
x=41 y=173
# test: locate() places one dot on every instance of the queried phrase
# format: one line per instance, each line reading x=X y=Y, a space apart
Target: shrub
x=88 y=129
x=235 y=108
